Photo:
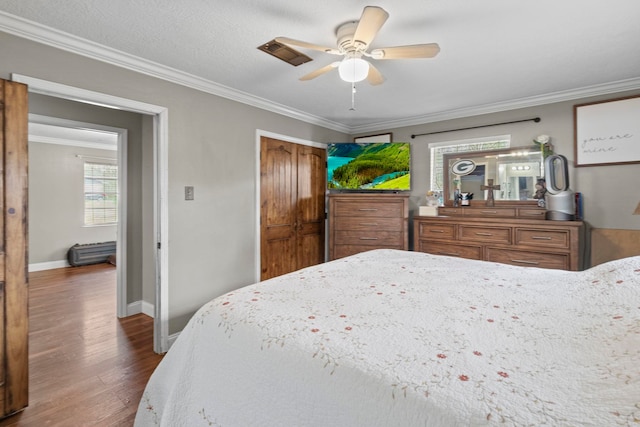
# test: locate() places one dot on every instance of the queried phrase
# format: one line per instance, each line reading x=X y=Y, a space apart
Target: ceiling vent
x=284 y=52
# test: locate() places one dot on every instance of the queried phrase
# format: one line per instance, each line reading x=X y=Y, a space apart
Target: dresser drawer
x=528 y=259
x=485 y=234
x=542 y=238
x=449 y=211
x=369 y=238
x=518 y=241
x=363 y=222
x=436 y=231
x=491 y=212
x=450 y=249
x=380 y=209
x=532 y=213
x=369 y=223
x=341 y=251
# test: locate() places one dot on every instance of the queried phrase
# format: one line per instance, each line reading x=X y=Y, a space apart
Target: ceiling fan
x=353 y=40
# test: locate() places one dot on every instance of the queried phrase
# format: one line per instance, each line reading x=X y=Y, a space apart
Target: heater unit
x=92 y=253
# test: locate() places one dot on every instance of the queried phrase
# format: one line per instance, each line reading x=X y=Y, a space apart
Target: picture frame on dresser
x=607 y=132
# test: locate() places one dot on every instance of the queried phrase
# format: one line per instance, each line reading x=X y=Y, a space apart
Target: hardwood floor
x=86 y=366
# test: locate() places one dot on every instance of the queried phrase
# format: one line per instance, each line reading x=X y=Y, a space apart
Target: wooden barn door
x=292 y=199
x=14 y=373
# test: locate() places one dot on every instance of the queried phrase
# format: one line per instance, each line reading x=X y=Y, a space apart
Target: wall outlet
x=188 y=192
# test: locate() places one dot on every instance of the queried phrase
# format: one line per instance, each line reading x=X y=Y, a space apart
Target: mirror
x=515 y=170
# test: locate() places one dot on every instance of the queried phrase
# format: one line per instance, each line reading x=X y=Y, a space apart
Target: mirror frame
x=446 y=161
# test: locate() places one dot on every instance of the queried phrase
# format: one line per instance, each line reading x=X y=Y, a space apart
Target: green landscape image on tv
x=375 y=166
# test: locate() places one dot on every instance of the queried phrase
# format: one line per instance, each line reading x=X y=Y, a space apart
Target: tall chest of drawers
x=362 y=222
x=516 y=241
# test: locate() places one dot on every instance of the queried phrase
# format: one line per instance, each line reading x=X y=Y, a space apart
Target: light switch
x=188 y=192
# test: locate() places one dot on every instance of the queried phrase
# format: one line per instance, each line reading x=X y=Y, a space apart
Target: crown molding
x=33 y=31
x=512 y=104
x=49 y=36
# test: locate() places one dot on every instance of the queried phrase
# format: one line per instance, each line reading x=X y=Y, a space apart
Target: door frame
x=259 y=134
x=122 y=161
x=160 y=184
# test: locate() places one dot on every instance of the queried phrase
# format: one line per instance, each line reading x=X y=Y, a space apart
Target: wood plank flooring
x=86 y=366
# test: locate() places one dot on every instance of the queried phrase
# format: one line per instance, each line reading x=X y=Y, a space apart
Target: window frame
x=112 y=193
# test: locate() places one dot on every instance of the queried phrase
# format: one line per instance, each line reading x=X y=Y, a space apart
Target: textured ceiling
x=494 y=53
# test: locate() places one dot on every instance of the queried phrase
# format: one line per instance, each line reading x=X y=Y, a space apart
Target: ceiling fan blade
x=406 y=52
x=320 y=71
x=374 y=77
x=293 y=42
x=371 y=21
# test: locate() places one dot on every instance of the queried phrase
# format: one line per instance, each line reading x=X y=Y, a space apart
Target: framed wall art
x=607 y=132
x=383 y=137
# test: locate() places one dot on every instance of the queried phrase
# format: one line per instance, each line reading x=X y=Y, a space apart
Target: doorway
x=63 y=148
x=159 y=115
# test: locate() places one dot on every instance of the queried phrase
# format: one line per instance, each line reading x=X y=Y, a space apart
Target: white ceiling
x=76 y=136
x=495 y=54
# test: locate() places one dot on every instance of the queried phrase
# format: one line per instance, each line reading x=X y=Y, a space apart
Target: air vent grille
x=285 y=53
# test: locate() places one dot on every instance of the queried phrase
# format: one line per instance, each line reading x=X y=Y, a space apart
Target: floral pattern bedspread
x=396 y=338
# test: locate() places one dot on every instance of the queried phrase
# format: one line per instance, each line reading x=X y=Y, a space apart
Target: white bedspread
x=395 y=338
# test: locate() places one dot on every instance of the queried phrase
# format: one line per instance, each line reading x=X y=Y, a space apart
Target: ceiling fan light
x=353 y=70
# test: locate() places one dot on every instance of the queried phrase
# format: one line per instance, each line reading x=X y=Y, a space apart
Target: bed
x=398 y=338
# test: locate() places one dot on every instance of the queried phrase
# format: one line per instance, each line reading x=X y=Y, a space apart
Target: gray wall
x=137 y=167
x=56 y=202
x=211 y=146
x=608 y=204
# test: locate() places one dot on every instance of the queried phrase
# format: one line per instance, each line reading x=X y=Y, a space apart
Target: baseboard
x=173 y=338
x=140 y=307
x=148 y=309
x=50 y=265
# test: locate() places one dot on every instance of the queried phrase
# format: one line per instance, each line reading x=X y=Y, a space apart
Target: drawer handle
x=524 y=261
x=534 y=213
x=368 y=238
x=484 y=234
x=369 y=223
x=449 y=253
x=436 y=231
x=540 y=238
x=368 y=209
x=490 y=212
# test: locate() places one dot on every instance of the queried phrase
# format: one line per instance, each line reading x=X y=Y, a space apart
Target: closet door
x=278 y=188
x=292 y=190
x=311 y=206
x=14 y=374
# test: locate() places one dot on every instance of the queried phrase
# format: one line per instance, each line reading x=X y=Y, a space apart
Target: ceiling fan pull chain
x=353 y=97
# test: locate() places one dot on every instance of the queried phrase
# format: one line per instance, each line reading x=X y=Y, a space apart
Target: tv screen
x=370 y=166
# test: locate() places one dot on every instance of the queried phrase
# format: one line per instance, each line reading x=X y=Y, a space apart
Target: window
x=100 y=193
x=462 y=146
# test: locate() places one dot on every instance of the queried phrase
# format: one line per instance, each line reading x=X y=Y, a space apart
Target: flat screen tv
x=369 y=166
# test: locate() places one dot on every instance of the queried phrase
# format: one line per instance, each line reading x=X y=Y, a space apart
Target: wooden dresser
x=502 y=236
x=362 y=222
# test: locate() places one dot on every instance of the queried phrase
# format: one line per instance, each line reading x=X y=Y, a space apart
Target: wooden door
x=14 y=373
x=278 y=192
x=310 y=203
x=292 y=189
